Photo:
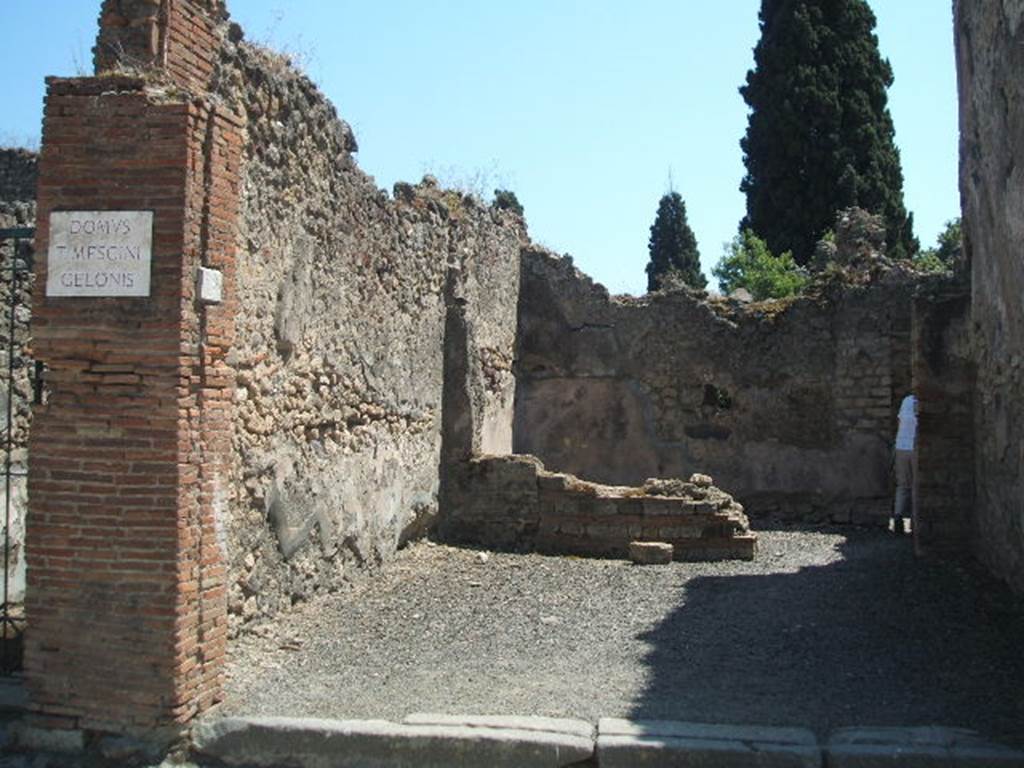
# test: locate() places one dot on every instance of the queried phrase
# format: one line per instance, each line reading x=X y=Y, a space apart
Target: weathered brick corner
x=176 y=37
x=126 y=576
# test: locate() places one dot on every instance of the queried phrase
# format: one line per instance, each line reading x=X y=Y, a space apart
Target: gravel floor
x=827 y=628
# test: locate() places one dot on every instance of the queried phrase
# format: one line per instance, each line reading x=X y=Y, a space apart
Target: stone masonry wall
x=347 y=300
x=789 y=406
x=18 y=170
x=944 y=382
x=990 y=58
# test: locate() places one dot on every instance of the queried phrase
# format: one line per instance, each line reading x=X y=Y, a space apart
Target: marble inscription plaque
x=99 y=253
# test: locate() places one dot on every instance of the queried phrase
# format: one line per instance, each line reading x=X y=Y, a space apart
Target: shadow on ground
x=897 y=641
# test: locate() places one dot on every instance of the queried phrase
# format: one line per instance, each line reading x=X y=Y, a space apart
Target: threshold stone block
x=579 y=728
x=664 y=744
x=650 y=552
x=926 y=747
x=268 y=742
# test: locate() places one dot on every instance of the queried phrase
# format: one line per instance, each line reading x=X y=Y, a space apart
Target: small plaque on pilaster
x=99 y=253
x=211 y=285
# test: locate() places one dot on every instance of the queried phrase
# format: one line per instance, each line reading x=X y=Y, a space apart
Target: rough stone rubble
x=17 y=210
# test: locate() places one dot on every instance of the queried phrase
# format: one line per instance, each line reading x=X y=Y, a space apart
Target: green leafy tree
x=820 y=137
x=506 y=200
x=951 y=242
x=673 y=248
x=946 y=254
x=748 y=263
x=927 y=260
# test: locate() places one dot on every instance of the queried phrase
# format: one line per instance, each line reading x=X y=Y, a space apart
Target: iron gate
x=23 y=387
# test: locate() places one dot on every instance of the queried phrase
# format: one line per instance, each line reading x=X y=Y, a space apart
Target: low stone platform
x=514 y=503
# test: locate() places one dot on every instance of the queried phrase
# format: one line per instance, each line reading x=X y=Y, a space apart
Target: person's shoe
x=897 y=526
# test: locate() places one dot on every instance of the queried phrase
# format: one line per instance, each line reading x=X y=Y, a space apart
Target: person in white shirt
x=903 y=462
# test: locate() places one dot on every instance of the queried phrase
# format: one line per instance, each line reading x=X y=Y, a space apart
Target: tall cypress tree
x=673 y=247
x=820 y=137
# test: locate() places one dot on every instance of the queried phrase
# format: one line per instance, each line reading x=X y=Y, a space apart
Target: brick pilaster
x=126 y=581
x=215 y=149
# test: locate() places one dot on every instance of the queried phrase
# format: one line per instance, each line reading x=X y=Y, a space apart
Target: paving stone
x=657 y=744
x=309 y=743
x=928 y=747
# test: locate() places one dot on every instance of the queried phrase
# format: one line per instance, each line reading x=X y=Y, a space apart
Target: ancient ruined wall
x=18 y=171
x=345 y=297
x=790 y=407
x=944 y=382
x=990 y=58
x=513 y=503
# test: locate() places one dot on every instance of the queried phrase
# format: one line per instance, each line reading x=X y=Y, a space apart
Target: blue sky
x=583 y=108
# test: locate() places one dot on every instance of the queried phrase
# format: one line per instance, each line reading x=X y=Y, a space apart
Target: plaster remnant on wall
x=990 y=58
x=1014 y=12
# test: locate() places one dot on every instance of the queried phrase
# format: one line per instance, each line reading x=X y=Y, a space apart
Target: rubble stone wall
x=990 y=58
x=347 y=301
x=790 y=406
x=18 y=171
